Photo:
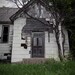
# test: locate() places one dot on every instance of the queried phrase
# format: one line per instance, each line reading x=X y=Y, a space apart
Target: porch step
x=34 y=60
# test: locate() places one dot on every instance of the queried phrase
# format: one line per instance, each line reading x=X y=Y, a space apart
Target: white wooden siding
x=18 y=52
x=66 y=45
x=51 y=49
x=10 y=34
x=6 y=47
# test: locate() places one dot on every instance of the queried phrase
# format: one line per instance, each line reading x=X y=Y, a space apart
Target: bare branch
x=36 y=19
x=21 y=3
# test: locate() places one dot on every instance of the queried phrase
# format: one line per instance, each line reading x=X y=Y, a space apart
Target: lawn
x=49 y=68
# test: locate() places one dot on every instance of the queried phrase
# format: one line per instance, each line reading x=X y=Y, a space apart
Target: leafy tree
x=71 y=28
x=61 y=11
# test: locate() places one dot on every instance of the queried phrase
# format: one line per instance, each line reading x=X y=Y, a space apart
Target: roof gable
x=26 y=7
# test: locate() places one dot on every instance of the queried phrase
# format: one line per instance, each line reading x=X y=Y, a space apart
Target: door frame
x=35 y=32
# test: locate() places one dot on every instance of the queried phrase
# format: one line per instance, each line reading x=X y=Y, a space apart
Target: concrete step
x=34 y=60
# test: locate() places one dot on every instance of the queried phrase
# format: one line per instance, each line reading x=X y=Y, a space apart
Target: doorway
x=38 y=44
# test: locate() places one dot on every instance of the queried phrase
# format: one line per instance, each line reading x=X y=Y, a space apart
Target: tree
x=71 y=28
x=19 y=3
x=60 y=10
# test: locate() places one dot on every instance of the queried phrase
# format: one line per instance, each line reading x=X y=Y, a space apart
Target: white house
x=28 y=33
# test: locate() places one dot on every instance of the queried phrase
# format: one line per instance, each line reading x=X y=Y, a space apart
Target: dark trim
x=6 y=54
x=2 y=33
x=6 y=22
x=24 y=45
x=34 y=25
x=43 y=45
x=24 y=8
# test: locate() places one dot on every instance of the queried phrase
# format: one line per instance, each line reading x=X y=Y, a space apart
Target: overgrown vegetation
x=49 y=68
x=70 y=24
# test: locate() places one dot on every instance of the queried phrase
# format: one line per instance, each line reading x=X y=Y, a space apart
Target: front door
x=38 y=44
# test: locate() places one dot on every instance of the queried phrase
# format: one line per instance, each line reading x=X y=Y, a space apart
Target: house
x=28 y=33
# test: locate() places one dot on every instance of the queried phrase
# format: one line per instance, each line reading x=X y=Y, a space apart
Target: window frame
x=3 y=33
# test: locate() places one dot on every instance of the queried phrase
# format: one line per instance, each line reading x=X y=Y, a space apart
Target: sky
x=6 y=3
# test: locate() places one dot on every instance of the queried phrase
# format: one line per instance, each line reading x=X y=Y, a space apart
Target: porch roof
x=35 y=25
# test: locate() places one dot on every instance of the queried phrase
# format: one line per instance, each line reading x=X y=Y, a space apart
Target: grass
x=49 y=68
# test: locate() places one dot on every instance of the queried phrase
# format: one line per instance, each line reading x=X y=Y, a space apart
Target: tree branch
x=36 y=19
x=20 y=3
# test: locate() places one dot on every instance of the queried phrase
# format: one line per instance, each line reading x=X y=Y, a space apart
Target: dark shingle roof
x=6 y=13
x=34 y=25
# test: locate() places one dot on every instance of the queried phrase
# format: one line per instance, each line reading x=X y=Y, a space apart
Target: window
x=37 y=41
x=5 y=34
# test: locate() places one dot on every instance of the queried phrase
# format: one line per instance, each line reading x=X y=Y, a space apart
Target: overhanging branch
x=36 y=19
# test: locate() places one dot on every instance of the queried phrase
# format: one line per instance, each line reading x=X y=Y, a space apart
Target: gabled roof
x=6 y=13
x=25 y=7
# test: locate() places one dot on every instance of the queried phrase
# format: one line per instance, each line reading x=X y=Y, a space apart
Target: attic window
x=5 y=34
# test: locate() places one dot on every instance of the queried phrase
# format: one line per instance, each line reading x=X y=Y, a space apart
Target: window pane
x=5 y=38
x=5 y=31
x=5 y=34
x=40 y=41
x=35 y=41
